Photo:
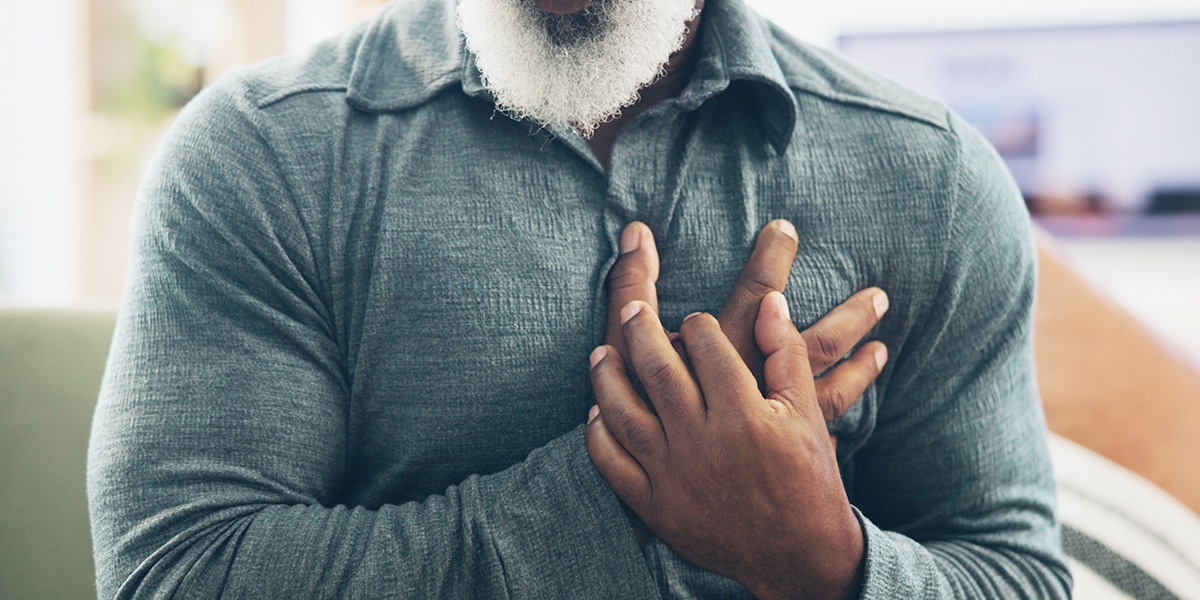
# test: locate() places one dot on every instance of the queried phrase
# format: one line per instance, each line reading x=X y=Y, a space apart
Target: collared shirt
x=352 y=358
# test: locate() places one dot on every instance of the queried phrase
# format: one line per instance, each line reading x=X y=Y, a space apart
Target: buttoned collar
x=414 y=51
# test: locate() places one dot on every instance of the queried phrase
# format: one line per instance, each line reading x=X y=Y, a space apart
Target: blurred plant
x=151 y=86
x=195 y=28
x=148 y=59
x=149 y=55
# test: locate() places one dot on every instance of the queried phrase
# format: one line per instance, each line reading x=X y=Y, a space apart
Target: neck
x=678 y=72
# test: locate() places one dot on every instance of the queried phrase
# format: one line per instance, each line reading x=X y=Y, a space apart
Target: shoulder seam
x=868 y=103
x=283 y=94
x=830 y=76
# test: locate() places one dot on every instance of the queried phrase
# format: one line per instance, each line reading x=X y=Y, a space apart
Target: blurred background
x=1093 y=105
x=89 y=88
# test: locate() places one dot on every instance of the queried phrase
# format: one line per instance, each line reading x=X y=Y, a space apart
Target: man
x=352 y=360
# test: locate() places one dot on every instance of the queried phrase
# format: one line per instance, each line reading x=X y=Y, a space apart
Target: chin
x=572 y=71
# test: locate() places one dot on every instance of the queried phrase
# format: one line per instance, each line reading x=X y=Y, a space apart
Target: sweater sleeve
x=219 y=443
x=955 y=482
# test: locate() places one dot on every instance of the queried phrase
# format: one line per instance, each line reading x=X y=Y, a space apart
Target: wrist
x=834 y=572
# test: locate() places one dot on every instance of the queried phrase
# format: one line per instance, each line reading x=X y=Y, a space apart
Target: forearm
x=896 y=566
x=547 y=527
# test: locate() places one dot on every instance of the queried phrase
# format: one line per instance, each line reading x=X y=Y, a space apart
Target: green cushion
x=51 y=363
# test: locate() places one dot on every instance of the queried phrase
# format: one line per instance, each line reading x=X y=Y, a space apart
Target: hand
x=635 y=273
x=741 y=483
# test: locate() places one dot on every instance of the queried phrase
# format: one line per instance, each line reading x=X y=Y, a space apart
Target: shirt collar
x=414 y=50
x=736 y=51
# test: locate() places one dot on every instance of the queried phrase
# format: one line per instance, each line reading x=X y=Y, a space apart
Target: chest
x=479 y=291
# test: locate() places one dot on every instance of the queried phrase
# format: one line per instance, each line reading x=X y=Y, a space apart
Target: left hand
x=635 y=275
x=742 y=483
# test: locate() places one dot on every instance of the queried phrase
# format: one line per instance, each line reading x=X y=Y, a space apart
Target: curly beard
x=576 y=70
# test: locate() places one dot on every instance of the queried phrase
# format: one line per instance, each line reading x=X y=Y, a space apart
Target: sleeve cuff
x=894 y=566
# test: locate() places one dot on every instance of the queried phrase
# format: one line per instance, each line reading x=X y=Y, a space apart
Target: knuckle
x=834 y=399
x=637 y=439
x=629 y=277
x=824 y=348
x=704 y=345
x=757 y=282
x=741 y=308
x=832 y=402
x=658 y=375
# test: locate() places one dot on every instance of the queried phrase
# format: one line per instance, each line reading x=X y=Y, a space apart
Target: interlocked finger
x=832 y=337
x=632 y=277
x=618 y=466
x=766 y=271
x=626 y=416
x=844 y=384
x=728 y=386
x=667 y=380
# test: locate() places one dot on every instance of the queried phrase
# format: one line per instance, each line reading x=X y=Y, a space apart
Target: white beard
x=574 y=70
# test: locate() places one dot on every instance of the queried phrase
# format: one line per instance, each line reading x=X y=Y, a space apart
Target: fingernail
x=593 y=413
x=631 y=238
x=788 y=229
x=881 y=357
x=647 y=240
x=781 y=302
x=881 y=304
x=630 y=310
x=689 y=317
x=598 y=355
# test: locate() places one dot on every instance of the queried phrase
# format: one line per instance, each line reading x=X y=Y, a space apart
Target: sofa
x=51 y=362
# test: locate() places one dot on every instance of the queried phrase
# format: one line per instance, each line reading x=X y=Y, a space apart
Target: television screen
x=1100 y=123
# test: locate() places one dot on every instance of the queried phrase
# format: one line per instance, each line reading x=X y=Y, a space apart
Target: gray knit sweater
x=352 y=356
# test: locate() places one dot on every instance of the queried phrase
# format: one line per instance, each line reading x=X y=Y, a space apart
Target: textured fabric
x=352 y=357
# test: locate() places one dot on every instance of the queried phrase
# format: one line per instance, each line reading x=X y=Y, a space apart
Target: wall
x=41 y=152
x=822 y=22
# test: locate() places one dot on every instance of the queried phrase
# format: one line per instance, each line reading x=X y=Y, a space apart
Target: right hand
x=840 y=382
x=741 y=482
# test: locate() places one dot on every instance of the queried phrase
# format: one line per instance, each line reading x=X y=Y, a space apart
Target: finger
x=618 y=467
x=830 y=338
x=660 y=369
x=786 y=373
x=767 y=270
x=727 y=384
x=629 y=419
x=844 y=384
x=677 y=343
x=632 y=277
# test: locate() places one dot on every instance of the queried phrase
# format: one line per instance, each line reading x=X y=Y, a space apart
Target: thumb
x=786 y=372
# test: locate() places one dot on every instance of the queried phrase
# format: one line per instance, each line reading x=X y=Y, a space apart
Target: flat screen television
x=1100 y=125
